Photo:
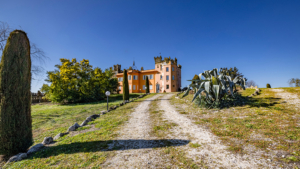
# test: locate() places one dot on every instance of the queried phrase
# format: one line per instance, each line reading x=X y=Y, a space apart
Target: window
x=133 y=87
x=150 y=86
x=172 y=68
x=160 y=67
x=144 y=88
x=151 y=77
x=129 y=87
x=129 y=77
x=173 y=77
x=119 y=87
x=167 y=77
x=144 y=77
x=157 y=66
x=167 y=69
x=167 y=86
x=161 y=77
x=120 y=79
x=135 y=77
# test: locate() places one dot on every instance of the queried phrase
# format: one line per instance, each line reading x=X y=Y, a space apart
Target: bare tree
x=38 y=56
x=250 y=83
x=294 y=82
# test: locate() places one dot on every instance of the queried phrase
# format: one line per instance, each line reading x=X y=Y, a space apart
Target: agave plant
x=217 y=86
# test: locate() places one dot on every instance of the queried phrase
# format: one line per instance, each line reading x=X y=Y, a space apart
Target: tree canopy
x=74 y=81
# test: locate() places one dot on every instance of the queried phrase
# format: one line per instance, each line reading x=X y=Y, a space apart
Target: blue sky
x=260 y=38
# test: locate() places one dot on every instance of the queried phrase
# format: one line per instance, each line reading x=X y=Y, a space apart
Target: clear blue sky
x=260 y=38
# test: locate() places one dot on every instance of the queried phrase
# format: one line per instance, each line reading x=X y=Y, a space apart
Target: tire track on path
x=135 y=147
x=211 y=152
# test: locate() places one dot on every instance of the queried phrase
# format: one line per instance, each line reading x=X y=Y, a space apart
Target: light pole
x=107 y=93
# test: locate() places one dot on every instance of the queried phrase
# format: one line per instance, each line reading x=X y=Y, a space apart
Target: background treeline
x=74 y=81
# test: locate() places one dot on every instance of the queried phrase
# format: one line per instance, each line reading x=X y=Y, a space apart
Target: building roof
x=138 y=71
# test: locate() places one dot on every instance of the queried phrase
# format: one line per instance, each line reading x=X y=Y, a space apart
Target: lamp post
x=107 y=93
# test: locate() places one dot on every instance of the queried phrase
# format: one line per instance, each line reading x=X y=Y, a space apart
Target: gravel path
x=135 y=146
x=212 y=152
x=290 y=98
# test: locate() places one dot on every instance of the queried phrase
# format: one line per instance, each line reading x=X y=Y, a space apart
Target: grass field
x=82 y=150
x=265 y=122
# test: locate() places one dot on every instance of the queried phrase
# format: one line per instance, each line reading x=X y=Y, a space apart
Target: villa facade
x=165 y=77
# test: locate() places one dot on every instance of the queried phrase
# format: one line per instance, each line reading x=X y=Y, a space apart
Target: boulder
x=47 y=140
x=95 y=116
x=85 y=122
x=76 y=125
x=35 y=148
x=17 y=157
x=59 y=135
x=88 y=119
x=72 y=128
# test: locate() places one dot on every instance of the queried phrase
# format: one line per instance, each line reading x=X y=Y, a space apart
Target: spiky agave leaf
x=200 y=89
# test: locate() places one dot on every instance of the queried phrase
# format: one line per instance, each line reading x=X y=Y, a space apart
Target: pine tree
x=125 y=86
x=15 y=106
x=147 y=85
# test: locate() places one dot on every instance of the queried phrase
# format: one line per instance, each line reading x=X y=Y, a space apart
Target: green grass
x=85 y=150
x=264 y=120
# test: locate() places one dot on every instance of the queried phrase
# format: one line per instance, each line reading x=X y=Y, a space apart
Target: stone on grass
x=17 y=157
x=95 y=116
x=74 y=127
x=85 y=122
x=59 y=135
x=47 y=140
x=88 y=119
x=35 y=148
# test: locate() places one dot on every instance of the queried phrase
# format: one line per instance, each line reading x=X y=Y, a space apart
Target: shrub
x=15 y=106
x=78 y=82
x=218 y=89
x=268 y=85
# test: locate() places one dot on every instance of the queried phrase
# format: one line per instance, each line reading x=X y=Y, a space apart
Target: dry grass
x=265 y=123
x=161 y=129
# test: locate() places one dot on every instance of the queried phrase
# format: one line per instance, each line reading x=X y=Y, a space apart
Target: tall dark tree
x=147 y=85
x=15 y=105
x=268 y=85
x=125 y=86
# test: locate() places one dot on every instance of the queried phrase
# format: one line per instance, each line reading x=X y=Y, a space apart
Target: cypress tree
x=15 y=103
x=147 y=85
x=125 y=86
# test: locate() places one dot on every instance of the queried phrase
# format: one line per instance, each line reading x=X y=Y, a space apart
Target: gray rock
x=88 y=119
x=47 y=140
x=35 y=148
x=59 y=135
x=72 y=128
x=95 y=116
x=17 y=157
x=85 y=122
x=76 y=125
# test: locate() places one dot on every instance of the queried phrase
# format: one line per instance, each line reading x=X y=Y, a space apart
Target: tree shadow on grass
x=110 y=145
x=263 y=102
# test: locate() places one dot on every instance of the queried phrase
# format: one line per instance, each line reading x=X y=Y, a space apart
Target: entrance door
x=157 y=88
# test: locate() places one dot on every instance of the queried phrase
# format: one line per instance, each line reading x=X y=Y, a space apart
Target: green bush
x=15 y=106
x=268 y=85
x=75 y=82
